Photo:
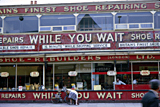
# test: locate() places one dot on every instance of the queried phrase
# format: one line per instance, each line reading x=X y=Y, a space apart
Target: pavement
x=66 y=105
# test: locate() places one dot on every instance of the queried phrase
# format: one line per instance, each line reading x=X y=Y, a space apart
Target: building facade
x=57 y=45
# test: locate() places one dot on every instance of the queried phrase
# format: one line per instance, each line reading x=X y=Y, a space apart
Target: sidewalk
x=66 y=105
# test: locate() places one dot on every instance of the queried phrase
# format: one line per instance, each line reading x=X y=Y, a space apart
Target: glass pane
x=57 y=28
x=7 y=83
x=136 y=17
x=95 y=21
x=25 y=79
x=54 y=20
x=63 y=79
x=20 y=25
x=105 y=81
x=120 y=26
x=0 y=22
x=146 y=25
x=142 y=80
x=69 y=28
x=123 y=77
x=121 y=18
x=45 y=28
x=49 y=77
x=133 y=25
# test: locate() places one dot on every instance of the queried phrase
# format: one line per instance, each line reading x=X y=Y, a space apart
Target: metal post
x=132 y=74
x=16 y=76
x=114 y=13
x=44 y=75
x=115 y=75
x=53 y=75
x=39 y=16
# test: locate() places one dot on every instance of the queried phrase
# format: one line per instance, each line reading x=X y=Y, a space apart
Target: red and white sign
x=4 y=74
x=34 y=74
x=145 y=72
x=80 y=58
x=79 y=8
x=76 y=41
x=82 y=95
x=20 y=88
x=111 y=73
x=72 y=73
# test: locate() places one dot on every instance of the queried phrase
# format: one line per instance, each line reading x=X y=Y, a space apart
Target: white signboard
x=145 y=72
x=72 y=73
x=4 y=74
x=20 y=88
x=79 y=84
x=34 y=74
x=111 y=73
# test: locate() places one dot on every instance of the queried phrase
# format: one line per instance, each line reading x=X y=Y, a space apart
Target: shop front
x=98 y=49
x=98 y=72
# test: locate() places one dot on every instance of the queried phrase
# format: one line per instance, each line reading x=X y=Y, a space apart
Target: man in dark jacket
x=150 y=99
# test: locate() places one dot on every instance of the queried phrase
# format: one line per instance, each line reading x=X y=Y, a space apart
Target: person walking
x=151 y=98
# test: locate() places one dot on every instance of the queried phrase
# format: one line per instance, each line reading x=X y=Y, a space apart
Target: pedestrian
x=135 y=81
x=119 y=82
x=84 y=85
x=151 y=98
x=73 y=95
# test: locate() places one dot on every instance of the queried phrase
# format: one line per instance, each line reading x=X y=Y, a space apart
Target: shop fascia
x=80 y=58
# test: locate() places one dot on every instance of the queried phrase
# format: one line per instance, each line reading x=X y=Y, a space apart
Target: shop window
x=63 y=77
x=20 y=24
x=89 y=22
x=27 y=76
x=124 y=75
x=7 y=78
x=101 y=77
x=136 y=20
x=141 y=80
x=157 y=20
x=49 y=77
x=57 y=23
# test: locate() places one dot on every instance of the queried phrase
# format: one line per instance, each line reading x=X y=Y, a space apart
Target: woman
x=73 y=95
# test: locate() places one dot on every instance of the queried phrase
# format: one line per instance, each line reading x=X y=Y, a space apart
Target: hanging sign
x=72 y=73
x=145 y=72
x=4 y=74
x=111 y=73
x=34 y=74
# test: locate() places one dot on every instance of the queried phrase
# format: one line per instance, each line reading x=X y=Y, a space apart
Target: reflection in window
x=124 y=67
x=57 y=20
x=143 y=80
x=88 y=22
x=24 y=78
x=49 y=77
x=157 y=20
x=104 y=80
x=21 y=24
x=62 y=78
x=7 y=82
x=136 y=17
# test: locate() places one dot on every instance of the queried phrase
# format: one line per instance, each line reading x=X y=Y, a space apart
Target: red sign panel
x=79 y=8
x=80 y=41
x=82 y=95
x=81 y=58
